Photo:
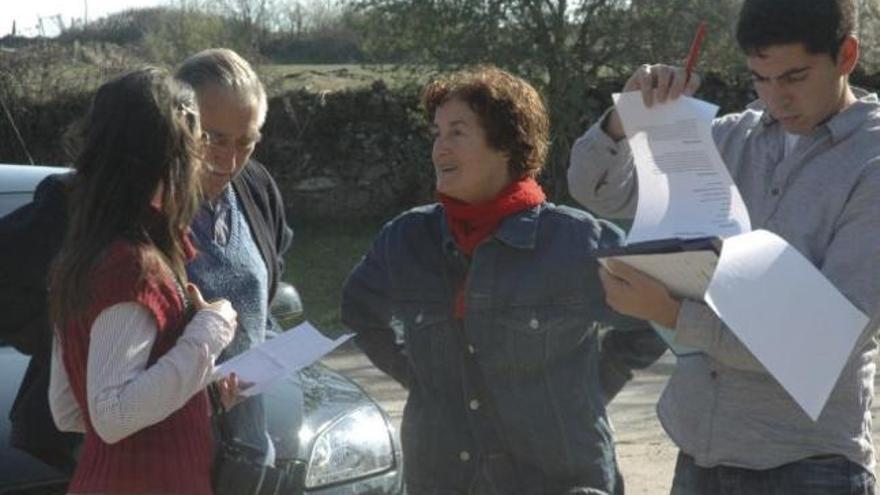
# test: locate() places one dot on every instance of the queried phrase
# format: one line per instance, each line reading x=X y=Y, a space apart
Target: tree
x=565 y=47
x=261 y=23
x=184 y=28
x=251 y=18
x=869 y=34
x=308 y=17
x=549 y=42
x=568 y=48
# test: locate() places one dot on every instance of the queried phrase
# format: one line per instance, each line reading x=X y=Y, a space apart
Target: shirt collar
x=221 y=203
x=840 y=125
x=851 y=119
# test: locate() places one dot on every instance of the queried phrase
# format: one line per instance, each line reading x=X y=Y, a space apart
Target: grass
x=50 y=77
x=318 y=78
x=322 y=255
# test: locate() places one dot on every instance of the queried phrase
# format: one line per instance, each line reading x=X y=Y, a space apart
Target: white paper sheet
x=277 y=357
x=685 y=190
x=792 y=319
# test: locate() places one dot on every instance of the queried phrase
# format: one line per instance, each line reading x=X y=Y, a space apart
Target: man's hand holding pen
x=631 y=292
x=627 y=290
x=659 y=83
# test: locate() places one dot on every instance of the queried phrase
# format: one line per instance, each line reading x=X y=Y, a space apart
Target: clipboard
x=663 y=246
x=684 y=266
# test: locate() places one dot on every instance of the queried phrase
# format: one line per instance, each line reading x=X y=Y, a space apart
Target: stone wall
x=363 y=153
x=348 y=154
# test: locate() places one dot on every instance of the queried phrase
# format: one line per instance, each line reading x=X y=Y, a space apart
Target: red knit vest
x=170 y=457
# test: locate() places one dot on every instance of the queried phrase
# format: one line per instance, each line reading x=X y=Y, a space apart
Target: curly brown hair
x=510 y=110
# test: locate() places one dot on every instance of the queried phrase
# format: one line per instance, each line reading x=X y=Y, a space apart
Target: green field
x=335 y=77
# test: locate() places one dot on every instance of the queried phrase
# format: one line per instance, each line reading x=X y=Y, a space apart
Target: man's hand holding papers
x=631 y=292
x=656 y=83
x=685 y=193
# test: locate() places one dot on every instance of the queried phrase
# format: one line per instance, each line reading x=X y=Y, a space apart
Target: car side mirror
x=286 y=306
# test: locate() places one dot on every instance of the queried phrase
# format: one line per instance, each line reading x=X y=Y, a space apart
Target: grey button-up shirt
x=723 y=407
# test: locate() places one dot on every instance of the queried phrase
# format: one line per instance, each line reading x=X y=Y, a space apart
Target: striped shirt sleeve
x=123 y=394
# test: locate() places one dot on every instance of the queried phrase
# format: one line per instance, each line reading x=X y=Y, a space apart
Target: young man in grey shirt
x=806 y=158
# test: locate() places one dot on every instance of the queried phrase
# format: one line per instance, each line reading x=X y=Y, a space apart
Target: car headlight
x=356 y=445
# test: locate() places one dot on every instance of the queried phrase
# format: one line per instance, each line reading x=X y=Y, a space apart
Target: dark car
x=327 y=431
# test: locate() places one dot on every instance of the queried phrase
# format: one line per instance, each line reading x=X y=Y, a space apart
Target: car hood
x=303 y=405
x=24 y=178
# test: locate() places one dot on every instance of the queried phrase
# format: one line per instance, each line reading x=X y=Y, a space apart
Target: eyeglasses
x=222 y=142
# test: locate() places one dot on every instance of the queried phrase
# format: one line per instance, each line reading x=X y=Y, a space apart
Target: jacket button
x=471 y=349
x=464 y=455
x=419 y=318
x=775 y=191
x=534 y=324
x=474 y=404
x=713 y=374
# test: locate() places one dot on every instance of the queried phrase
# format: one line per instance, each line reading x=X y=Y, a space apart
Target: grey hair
x=226 y=69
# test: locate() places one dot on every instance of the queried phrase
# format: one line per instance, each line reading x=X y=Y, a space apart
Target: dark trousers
x=825 y=475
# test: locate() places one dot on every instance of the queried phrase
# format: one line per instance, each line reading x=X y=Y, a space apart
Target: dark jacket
x=29 y=239
x=622 y=352
x=507 y=400
x=264 y=210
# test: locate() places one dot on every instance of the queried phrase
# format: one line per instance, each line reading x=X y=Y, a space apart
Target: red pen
x=694 y=52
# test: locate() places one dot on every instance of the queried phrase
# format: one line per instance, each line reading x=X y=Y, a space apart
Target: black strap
x=219 y=414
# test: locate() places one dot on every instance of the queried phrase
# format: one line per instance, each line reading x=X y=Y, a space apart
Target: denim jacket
x=506 y=400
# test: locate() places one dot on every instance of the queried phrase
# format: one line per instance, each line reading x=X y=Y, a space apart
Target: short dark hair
x=510 y=110
x=821 y=25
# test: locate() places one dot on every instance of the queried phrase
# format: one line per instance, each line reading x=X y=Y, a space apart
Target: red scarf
x=472 y=224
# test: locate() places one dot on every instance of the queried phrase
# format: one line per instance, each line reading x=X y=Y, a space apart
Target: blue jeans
x=825 y=475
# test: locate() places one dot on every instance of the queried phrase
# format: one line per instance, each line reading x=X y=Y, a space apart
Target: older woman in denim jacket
x=495 y=296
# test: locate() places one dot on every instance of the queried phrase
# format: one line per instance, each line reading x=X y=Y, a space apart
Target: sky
x=26 y=13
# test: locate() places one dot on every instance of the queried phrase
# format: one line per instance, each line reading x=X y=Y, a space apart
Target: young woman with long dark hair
x=132 y=357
